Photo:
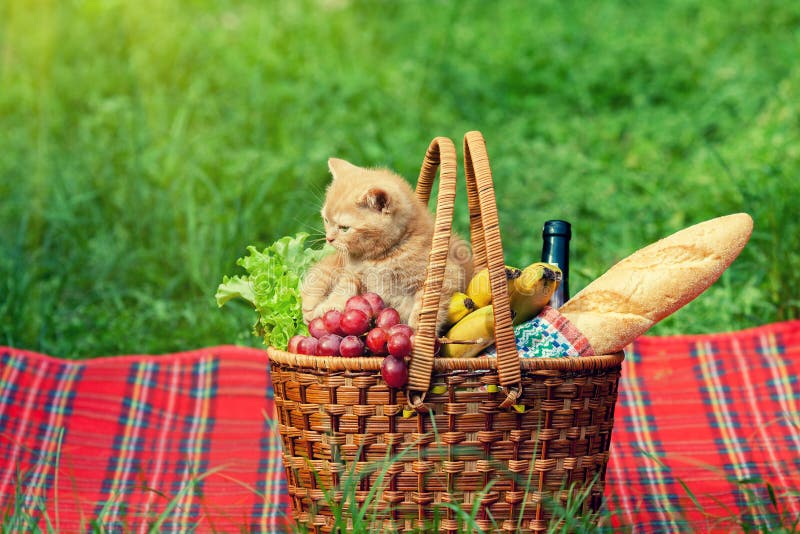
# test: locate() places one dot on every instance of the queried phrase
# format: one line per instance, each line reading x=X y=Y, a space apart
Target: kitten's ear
x=376 y=199
x=340 y=167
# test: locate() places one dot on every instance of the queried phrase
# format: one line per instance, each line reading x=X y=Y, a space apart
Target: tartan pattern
x=185 y=439
x=189 y=439
x=718 y=413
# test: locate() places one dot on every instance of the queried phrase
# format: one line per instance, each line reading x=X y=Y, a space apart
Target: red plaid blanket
x=706 y=438
x=704 y=427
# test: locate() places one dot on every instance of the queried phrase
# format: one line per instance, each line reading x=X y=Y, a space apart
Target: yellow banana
x=532 y=290
x=479 y=288
x=477 y=327
x=460 y=305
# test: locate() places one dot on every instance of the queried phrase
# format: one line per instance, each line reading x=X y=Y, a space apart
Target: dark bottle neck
x=555 y=250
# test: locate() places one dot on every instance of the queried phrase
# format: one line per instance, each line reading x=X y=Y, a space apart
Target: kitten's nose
x=329 y=239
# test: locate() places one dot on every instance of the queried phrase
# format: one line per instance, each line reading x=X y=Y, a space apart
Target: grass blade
x=155 y=528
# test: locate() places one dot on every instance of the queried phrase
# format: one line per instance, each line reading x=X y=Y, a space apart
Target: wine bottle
x=555 y=249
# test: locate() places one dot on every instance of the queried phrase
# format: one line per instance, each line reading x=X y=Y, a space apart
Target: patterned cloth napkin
x=549 y=335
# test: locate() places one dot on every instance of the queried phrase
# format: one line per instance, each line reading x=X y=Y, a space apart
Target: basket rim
x=373 y=363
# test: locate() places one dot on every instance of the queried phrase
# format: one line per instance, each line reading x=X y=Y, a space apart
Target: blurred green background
x=144 y=145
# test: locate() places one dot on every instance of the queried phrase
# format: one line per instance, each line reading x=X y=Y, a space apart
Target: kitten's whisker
x=318 y=194
x=319 y=197
x=306 y=226
x=316 y=233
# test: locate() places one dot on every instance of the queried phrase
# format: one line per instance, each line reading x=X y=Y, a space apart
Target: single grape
x=399 y=345
x=351 y=346
x=375 y=301
x=394 y=372
x=317 y=328
x=354 y=322
x=387 y=318
x=294 y=342
x=376 y=340
x=403 y=328
x=308 y=346
x=359 y=303
x=329 y=345
x=333 y=322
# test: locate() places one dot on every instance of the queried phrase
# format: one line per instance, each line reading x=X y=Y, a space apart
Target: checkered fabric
x=706 y=428
x=178 y=442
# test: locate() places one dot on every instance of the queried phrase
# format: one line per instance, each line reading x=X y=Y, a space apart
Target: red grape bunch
x=366 y=327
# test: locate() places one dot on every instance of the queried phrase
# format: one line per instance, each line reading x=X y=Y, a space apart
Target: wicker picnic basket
x=505 y=441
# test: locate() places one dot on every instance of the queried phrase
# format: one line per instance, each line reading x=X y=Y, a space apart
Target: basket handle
x=441 y=155
x=487 y=251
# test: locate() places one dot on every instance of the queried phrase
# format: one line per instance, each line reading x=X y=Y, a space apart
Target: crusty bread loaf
x=655 y=281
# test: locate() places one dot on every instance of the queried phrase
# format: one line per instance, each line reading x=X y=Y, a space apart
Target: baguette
x=656 y=281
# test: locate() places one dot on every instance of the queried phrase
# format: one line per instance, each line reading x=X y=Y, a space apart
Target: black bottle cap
x=557 y=227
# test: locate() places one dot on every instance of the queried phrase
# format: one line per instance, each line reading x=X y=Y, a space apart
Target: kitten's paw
x=308 y=314
x=333 y=302
x=413 y=316
x=310 y=300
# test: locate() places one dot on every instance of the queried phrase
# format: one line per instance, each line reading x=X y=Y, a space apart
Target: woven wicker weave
x=463 y=443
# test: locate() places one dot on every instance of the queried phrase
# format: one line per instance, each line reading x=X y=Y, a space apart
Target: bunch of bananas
x=471 y=314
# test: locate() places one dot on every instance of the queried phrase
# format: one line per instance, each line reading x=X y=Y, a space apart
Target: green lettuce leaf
x=272 y=287
x=235 y=287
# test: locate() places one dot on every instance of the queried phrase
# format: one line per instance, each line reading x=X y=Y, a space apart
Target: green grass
x=144 y=144
x=763 y=508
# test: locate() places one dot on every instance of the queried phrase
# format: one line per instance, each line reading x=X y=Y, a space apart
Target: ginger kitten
x=382 y=235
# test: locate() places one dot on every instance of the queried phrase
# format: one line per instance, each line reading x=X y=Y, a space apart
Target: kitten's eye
x=343 y=228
